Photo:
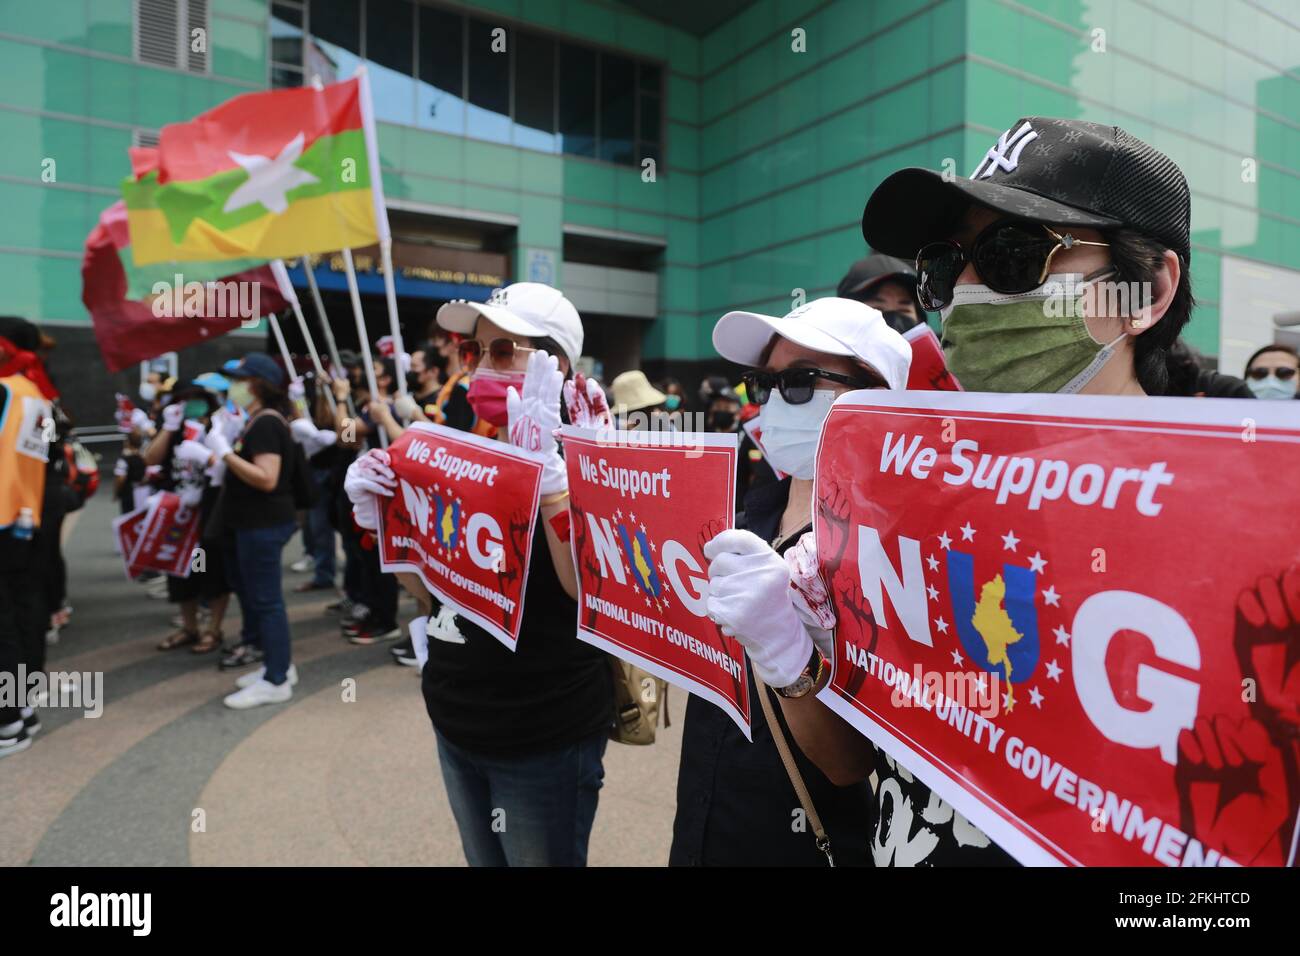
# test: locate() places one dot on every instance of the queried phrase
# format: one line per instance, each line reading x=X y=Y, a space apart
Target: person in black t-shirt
x=256 y=515
x=521 y=735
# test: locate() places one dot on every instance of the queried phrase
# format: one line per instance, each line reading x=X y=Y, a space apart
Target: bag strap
x=792 y=770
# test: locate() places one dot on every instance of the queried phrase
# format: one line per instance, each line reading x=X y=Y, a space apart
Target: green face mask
x=240 y=393
x=195 y=409
x=1032 y=342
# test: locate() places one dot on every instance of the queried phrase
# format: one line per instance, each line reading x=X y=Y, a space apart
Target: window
x=440 y=92
x=390 y=50
x=578 y=100
x=535 y=92
x=448 y=71
x=489 y=82
x=167 y=33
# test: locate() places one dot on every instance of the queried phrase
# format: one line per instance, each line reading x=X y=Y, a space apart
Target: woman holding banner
x=735 y=800
x=256 y=515
x=993 y=253
x=521 y=735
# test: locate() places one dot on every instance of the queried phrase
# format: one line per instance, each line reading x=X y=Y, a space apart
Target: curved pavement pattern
x=169 y=776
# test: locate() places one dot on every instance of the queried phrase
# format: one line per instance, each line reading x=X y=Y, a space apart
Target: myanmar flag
x=262 y=176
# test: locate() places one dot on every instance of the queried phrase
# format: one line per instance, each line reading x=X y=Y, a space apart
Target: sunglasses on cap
x=1284 y=373
x=502 y=351
x=797 y=385
x=1010 y=256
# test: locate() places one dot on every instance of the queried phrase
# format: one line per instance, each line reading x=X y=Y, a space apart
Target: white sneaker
x=252 y=677
x=261 y=692
x=302 y=565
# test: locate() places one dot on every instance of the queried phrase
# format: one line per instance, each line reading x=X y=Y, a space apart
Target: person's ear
x=1164 y=286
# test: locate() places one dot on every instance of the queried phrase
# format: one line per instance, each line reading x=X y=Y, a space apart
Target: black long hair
x=1139 y=258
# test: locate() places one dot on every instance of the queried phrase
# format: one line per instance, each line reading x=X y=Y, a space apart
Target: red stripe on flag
x=256 y=124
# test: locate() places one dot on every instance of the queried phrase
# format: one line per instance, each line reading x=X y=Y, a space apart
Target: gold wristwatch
x=806 y=681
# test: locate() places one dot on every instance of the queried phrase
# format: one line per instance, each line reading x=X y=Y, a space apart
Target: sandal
x=208 y=642
x=177 y=639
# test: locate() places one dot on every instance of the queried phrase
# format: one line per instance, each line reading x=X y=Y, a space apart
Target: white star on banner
x=944 y=541
x=1054 y=671
x=619 y=514
x=1051 y=597
x=932 y=562
x=942 y=625
x=967 y=532
x=1062 y=635
x=269 y=179
x=631 y=518
x=1035 y=698
x=933 y=592
x=1009 y=541
x=982 y=683
x=1036 y=563
x=957 y=658
x=1007 y=703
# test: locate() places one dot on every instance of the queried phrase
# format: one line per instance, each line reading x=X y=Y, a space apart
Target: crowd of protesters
x=525 y=732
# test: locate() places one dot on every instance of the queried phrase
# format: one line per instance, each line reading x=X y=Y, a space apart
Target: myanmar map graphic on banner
x=1064 y=616
x=264 y=175
x=643 y=505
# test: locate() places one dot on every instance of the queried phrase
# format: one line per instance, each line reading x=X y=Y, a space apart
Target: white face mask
x=148 y=391
x=1272 y=387
x=790 y=432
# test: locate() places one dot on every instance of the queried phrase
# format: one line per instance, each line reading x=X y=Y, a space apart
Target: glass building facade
x=533 y=121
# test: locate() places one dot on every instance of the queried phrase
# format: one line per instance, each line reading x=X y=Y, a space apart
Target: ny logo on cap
x=498 y=297
x=997 y=157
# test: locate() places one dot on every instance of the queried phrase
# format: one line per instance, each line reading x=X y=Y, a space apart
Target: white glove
x=141 y=422
x=749 y=597
x=217 y=441
x=173 y=415
x=195 y=451
x=808 y=594
x=406 y=407
x=367 y=477
x=297 y=391
x=535 y=416
x=303 y=430
x=588 y=407
x=418 y=630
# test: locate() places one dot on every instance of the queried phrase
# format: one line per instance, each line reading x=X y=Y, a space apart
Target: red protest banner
x=463 y=519
x=929 y=368
x=643 y=506
x=1074 y=618
x=167 y=537
x=126 y=532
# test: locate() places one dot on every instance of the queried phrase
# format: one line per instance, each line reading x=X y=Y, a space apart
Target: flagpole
x=325 y=326
x=365 y=340
x=390 y=292
x=284 y=349
x=289 y=292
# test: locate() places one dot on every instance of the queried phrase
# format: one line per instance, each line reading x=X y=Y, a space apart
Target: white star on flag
x=1035 y=698
x=632 y=518
x=932 y=562
x=652 y=547
x=1007 y=703
x=1009 y=541
x=982 y=683
x=1051 y=597
x=619 y=514
x=269 y=179
x=1036 y=563
x=967 y=532
x=957 y=658
x=1062 y=635
x=934 y=594
x=643 y=527
x=942 y=625
x=944 y=541
x=1054 y=671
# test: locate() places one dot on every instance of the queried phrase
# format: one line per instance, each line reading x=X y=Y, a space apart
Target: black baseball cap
x=867 y=273
x=1054 y=171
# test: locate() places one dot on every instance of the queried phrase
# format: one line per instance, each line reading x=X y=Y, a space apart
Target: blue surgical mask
x=1273 y=387
x=790 y=432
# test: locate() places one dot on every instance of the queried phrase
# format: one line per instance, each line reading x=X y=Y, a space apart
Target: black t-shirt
x=735 y=802
x=551 y=691
x=243 y=506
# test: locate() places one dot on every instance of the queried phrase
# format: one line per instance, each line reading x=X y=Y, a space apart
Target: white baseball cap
x=524 y=308
x=831 y=325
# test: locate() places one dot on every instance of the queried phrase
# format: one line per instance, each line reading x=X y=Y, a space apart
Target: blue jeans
x=525 y=811
x=253 y=567
x=319 y=539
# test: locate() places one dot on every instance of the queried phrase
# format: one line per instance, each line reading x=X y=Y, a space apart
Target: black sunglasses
x=1284 y=373
x=797 y=385
x=1010 y=256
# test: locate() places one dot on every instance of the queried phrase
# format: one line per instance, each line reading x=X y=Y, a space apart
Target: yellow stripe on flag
x=343 y=220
